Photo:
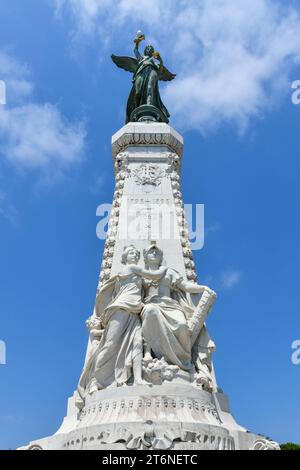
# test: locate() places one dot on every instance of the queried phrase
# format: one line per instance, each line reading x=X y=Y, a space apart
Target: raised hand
x=140 y=37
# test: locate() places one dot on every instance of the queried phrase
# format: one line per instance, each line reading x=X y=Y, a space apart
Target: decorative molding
x=144 y=139
x=121 y=164
x=121 y=173
x=132 y=408
x=174 y=164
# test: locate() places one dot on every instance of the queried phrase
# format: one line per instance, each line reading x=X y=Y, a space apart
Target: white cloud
x=233 y=57
x=230 y=278
x=35 y=135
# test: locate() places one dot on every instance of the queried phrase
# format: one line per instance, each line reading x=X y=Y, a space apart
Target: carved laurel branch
x=174 y=170
x=121 y=173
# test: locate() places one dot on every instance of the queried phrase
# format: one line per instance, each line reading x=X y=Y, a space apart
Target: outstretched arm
x=152 y=275
x=137 y=41
x=136 y=51
x=193 y=288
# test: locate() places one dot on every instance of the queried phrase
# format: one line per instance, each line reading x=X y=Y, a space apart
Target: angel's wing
x=127 y=63
x=165 y=75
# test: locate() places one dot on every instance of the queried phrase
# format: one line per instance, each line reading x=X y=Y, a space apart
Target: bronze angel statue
x=144 y=102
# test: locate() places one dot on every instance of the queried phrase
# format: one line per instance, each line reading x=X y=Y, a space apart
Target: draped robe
x=145 y=86
x=118 y=304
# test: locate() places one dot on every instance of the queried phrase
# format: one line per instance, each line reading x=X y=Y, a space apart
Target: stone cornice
x=147 y=134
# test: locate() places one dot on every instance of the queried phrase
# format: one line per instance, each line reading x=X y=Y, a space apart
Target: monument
x=148 y=379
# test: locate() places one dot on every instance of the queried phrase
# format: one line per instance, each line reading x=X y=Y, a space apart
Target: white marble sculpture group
x=143 y=316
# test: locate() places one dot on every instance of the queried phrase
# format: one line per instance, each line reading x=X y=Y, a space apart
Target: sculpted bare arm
x=152 y=275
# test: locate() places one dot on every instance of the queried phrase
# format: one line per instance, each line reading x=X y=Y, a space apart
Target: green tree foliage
x=289 y=446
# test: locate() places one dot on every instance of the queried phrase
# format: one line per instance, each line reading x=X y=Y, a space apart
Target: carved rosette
x=121 y=173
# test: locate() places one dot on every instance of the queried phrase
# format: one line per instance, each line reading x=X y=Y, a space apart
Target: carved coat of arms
x=148 y=174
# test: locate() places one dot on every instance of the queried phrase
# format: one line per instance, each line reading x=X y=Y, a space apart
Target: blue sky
x=232 y=103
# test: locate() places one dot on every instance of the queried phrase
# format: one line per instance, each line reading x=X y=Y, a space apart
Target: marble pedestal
x=161 y=417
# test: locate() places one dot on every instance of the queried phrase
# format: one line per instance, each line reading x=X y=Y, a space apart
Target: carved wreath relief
x=148 y=174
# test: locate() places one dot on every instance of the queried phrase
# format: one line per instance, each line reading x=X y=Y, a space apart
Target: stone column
x=147 y=162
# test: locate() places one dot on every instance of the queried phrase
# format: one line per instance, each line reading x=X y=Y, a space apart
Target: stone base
x=143 y=417
x=148 y=113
